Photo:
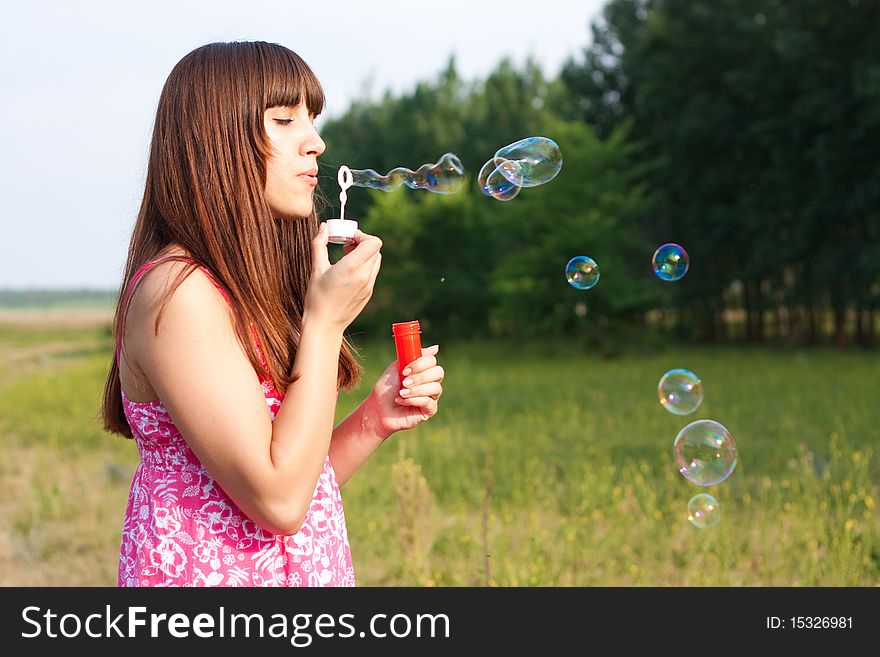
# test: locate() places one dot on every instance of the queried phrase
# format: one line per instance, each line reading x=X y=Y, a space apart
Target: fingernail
x=408 y=370
x=407 y=383
x=404 y=392
x=398 y=400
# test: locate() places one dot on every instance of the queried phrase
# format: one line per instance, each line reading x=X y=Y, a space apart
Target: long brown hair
x=204 y=191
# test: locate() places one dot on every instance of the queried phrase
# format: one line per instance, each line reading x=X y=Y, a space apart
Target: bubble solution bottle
x=408 y=340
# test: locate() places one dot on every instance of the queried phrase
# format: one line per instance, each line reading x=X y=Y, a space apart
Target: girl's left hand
x=394 y=407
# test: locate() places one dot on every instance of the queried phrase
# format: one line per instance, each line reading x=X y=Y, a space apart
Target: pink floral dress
x=182 y=529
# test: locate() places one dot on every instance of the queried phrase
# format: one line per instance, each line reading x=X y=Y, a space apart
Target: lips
x=310 y=177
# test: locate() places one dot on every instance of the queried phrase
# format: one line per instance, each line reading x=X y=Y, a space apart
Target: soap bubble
x=703 y=511
x=705 y=452
x=528 y=162
x=445 y=177
x=670 y=262
x=539 y=160
x=495 y=183
x=680 y=391
x=582 y=272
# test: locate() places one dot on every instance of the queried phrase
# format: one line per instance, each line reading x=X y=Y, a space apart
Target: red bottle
x=408 y=340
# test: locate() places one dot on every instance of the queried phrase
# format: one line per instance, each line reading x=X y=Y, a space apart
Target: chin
x=294 y=214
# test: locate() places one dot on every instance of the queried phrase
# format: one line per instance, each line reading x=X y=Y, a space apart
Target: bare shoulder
x=195 y=298
x=195 y=310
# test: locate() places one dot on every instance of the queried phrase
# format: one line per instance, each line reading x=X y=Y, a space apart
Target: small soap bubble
x=445 y=177
x=703 y=511
x=705 y=452
x=493 y=181
x=670 y=262
x=582 y=272
x=680 y=391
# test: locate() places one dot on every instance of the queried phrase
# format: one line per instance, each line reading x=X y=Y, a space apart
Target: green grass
x=545 y=466
x=64 y=299
x=22 y=336
x=575 y=454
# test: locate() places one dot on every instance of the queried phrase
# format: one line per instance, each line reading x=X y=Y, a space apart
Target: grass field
x=545 y=466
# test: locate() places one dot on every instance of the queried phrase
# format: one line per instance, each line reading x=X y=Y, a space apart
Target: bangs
x=288 y=80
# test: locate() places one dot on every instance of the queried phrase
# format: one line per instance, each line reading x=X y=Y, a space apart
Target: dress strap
x=138 y=275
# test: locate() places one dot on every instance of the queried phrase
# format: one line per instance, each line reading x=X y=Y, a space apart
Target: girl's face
x=292 y=170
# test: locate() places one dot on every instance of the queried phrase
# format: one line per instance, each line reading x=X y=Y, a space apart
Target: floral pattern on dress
x=182 y=529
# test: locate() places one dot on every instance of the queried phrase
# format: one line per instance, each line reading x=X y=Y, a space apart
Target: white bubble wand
x=342 y=230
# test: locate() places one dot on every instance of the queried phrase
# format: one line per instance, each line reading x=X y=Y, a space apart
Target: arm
x=269 y=470
x=385 y=411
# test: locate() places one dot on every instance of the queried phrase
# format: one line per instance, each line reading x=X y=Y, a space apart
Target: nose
x=313 y=144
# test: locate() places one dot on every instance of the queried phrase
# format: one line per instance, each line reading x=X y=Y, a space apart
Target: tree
x=762 y=118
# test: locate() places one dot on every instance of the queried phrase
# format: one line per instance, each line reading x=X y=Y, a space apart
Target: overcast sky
x=79 y=82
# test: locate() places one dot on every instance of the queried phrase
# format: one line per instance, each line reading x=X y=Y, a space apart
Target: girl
x=230 y=346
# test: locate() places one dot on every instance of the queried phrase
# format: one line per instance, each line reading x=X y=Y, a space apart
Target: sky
x=79 y=83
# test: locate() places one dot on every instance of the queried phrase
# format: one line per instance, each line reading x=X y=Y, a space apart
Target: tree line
x=748 y=131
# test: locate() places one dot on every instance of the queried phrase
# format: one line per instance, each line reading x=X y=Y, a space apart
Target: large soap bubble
x=528 y=162
x=705 y=452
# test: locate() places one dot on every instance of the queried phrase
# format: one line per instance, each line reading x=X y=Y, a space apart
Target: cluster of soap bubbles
x=705 y=451
x=669 y=263
x=445 y=177
x=528 y=162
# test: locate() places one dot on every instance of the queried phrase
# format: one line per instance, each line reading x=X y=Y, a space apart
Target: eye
x=284 y=121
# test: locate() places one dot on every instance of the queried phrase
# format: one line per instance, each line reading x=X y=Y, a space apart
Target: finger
x=432 y=389
x=358 y=237
x=376 y=265
x=366 y=248
x=435 y=373
x=365 y=275
x=320 y=259
x=427 y=405
x=426 y=351
x=420 y=365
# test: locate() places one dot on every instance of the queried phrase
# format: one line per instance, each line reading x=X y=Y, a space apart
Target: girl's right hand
x=338 y=292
